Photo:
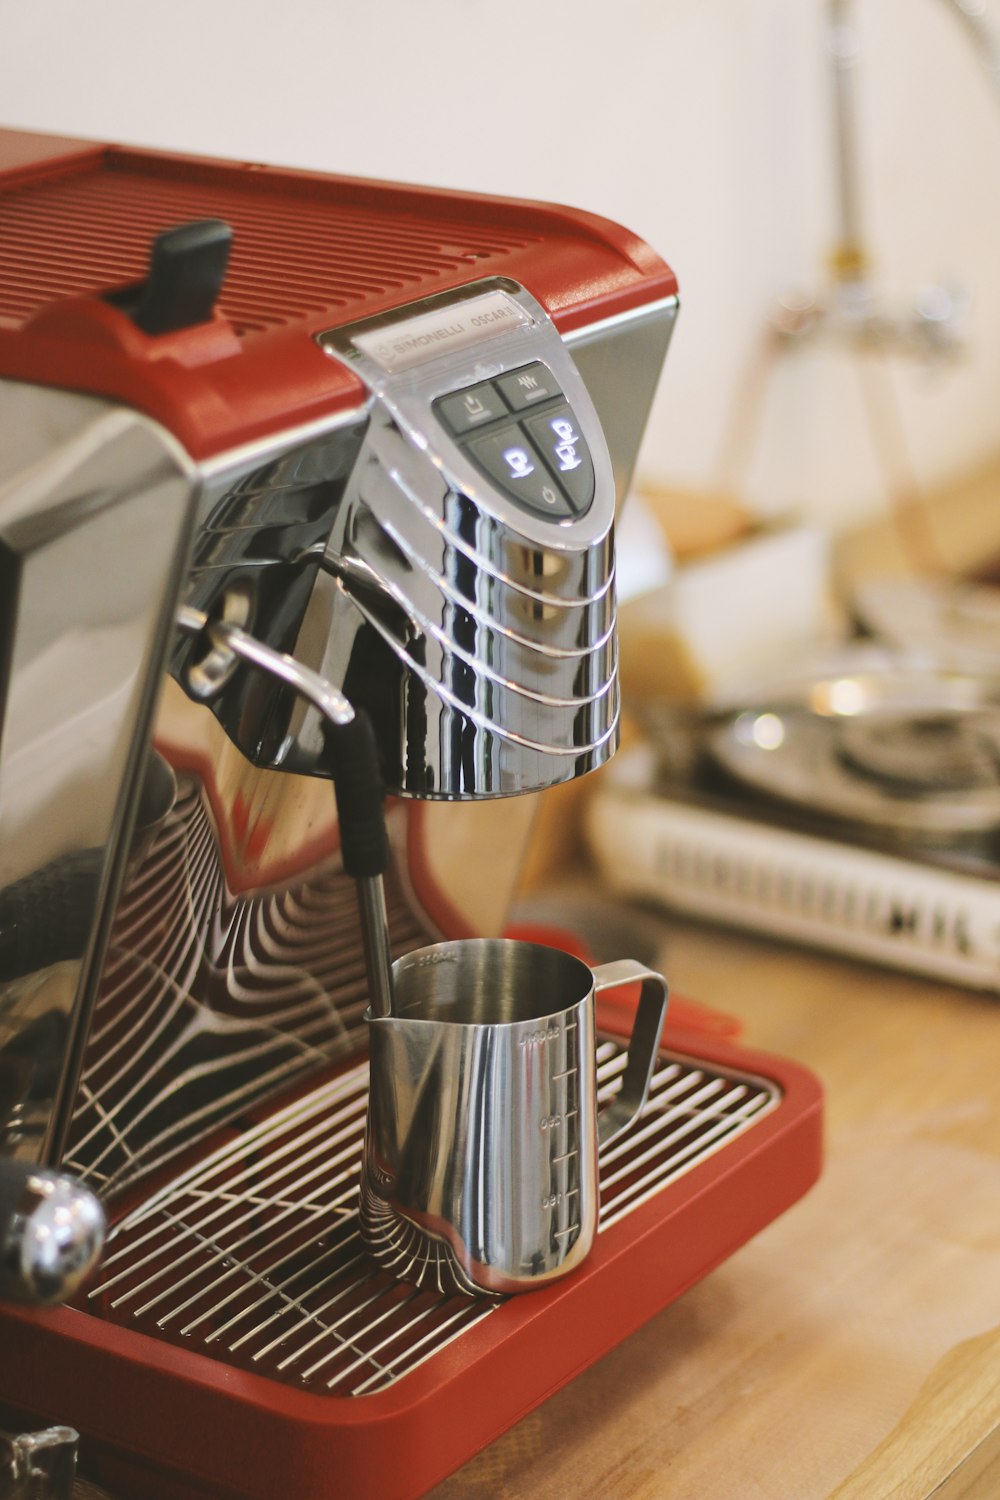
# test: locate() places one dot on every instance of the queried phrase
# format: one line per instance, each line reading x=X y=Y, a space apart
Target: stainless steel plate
x=911 y=752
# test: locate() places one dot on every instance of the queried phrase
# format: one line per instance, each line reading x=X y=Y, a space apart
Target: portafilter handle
x=51 y=1233
x=353 y=758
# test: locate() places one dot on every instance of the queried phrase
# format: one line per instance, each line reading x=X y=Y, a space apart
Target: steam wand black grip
x=357 y=783
x=364 y=844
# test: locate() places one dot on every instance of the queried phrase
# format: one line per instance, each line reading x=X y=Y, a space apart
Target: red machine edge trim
x=215 y=391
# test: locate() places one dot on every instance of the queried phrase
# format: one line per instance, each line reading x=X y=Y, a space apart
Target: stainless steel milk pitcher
x=480 y=1169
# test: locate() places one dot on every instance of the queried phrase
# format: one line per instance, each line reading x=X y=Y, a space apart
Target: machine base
x=239 y=1344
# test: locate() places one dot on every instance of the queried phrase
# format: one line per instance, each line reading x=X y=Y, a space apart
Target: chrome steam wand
x=350 y=744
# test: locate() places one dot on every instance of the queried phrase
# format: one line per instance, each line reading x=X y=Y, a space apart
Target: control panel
x=477 y=395
x=521 y=432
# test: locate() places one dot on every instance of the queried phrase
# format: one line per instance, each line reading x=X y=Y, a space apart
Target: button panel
x=557 y=435
x=468 y=410
x=541 y=461
x=513 y=462
x=527 y=387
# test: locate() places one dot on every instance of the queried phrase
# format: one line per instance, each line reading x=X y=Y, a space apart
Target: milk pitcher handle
x=643 y=1044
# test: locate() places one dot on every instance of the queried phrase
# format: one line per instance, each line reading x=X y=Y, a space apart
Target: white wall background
x=702 y=124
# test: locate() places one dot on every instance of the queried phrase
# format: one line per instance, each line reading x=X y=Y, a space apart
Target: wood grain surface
x=851 y=1351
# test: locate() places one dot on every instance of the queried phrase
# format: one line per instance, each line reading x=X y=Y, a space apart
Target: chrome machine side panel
x=620 y=359
x=96 y=505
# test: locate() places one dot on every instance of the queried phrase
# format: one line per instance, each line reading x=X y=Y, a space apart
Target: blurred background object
x=708 y=128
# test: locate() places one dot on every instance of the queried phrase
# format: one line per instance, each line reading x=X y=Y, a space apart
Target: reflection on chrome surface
x=211 y=1000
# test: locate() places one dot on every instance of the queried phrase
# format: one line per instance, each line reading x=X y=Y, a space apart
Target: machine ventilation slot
x=253 y=1257
x=296 y=254
x=804 y=893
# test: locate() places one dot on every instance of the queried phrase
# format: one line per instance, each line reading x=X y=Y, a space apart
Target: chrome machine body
x=443 y=554
x=290 y=464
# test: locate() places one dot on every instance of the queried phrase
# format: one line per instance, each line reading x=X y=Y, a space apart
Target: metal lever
x=308 y=684
x=38 y=1465
x=353 y=754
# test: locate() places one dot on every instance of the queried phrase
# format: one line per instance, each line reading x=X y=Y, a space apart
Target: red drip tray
x=238 y=1342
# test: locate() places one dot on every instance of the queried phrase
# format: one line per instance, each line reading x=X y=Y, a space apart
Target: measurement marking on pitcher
x=540 y=1038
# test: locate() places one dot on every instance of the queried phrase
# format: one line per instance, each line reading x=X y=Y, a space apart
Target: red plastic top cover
x=310 y=252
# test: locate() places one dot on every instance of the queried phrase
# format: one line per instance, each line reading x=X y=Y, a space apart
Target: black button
x=527 y=387
x=564 y=448
x=512 y=461
x=466 y=410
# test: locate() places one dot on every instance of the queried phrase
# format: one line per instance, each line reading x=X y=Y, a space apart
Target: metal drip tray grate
x=254 y=1255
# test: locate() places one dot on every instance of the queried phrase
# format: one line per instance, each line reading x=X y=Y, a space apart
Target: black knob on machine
x=187 y=266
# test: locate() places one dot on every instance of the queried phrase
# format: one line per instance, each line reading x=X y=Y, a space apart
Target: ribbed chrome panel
x=297 y=254
x=472 y=618
x=253 y=1256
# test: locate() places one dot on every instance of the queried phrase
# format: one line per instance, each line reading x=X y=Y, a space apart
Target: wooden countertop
x=852 y=1350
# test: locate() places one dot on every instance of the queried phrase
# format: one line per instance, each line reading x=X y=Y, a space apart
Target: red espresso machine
x=255 y=424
